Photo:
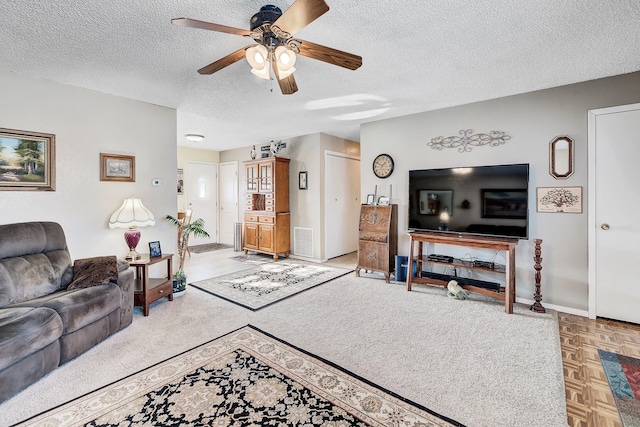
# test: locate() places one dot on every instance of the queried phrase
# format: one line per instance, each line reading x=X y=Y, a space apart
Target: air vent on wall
x=303 y=241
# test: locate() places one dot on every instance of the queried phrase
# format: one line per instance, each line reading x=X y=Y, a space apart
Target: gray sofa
x=42 y=324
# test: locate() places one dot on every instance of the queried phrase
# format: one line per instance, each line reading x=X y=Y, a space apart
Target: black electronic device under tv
x=487 y=200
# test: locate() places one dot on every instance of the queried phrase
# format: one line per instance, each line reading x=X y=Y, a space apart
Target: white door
x=201 y=185
x=614 y=203
x=342 y=204
x=228 y=201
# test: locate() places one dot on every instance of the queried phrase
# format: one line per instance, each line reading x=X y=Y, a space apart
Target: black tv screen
x=486 y=200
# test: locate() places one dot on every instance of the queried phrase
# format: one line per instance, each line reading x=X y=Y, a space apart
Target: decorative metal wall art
x=468 y=139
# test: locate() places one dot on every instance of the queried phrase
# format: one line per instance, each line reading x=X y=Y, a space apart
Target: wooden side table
x=150 y=289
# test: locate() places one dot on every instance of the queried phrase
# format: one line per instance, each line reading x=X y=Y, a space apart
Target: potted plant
x=184 y=231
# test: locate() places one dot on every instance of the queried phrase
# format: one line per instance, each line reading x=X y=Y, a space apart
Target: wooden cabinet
x=267 y=218
x=378 y=239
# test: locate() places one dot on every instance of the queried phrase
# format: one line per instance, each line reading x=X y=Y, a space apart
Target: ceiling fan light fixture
x=285 y=73
x=285 y=58
x=257 y=56
x=262 y=73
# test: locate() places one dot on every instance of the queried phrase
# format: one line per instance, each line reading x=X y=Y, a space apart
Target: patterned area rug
x=198 y=249
x=253 y=258
x=623 y=374
x=245 y=378
x=268 y=283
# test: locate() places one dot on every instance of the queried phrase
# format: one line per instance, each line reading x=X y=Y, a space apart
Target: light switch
x=156 y=182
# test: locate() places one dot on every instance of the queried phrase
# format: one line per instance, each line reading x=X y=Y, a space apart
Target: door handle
x=605 y=226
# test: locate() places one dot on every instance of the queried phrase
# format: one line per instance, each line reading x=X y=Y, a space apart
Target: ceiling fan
x=275 y=46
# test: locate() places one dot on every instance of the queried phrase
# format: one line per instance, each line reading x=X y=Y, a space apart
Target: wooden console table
x=507 y=244
x=148 y=290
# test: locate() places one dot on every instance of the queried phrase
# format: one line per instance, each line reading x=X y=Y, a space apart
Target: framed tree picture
x=27 y=160
x=559 y=199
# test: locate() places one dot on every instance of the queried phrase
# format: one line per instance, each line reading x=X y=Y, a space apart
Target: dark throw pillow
x=94 y=271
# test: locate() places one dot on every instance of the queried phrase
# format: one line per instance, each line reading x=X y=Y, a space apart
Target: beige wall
x=532 y=120
x=87 y=123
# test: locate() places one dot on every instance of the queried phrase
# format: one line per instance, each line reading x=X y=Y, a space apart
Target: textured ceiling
x=418 y=55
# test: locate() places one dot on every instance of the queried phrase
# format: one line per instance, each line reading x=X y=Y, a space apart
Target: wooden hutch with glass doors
x=267 y=217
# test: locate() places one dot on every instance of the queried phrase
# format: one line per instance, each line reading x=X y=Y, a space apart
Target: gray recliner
x=42 y=324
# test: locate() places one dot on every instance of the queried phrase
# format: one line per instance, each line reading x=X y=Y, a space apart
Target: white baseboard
x=562 y=309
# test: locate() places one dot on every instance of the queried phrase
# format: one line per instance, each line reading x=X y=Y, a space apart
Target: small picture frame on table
x=371 y=199
x=154 y=249
x=384 y=201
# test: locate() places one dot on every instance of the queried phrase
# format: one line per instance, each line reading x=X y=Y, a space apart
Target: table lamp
x=131 y=215
x=444 y=219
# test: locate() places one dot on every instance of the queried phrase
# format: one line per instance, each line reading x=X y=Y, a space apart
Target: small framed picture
x=154 y=249
x=383 y=201
x=302 y=180
x=117 y=167
x=371 y=199
x=559 y=199
x=180 y=181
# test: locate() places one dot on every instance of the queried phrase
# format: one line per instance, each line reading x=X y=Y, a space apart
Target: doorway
x=228 y=201
x=342 y=203
x=614 y=229
x=201 y=189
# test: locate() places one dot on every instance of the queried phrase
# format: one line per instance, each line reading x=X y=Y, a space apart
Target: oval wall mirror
x=561 y=157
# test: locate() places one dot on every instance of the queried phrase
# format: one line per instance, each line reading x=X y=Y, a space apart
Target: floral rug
x=268 y=283
x=623 y=374
x=245 y=378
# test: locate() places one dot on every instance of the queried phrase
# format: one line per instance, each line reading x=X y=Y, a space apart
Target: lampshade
x=131 y=215
x=257 y=56
x=263 y=73
x=444 y=217
x=285 y=58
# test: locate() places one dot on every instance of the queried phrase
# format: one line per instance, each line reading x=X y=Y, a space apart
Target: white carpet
x=467 y=360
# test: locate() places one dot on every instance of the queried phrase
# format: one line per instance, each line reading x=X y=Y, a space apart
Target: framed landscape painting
x=27 y=160
x=117 y=167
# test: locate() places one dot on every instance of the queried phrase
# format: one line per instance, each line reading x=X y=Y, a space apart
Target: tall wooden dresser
x=378 y=239
x=267 y=217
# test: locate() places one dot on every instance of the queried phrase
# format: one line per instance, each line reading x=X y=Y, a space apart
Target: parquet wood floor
x=589 y=399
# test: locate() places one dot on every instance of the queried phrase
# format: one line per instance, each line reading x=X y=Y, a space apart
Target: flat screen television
x=486 y=200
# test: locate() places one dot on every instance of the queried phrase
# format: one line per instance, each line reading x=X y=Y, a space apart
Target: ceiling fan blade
x=194 y=23
x=224 y=62
x=330 y=55
x=300 y=14
x=287 y=84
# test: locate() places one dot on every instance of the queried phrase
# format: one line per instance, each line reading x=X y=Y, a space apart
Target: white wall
x=532 y=120
x=87 y=123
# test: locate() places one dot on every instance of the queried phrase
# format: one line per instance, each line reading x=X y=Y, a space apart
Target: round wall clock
x=383 y=166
